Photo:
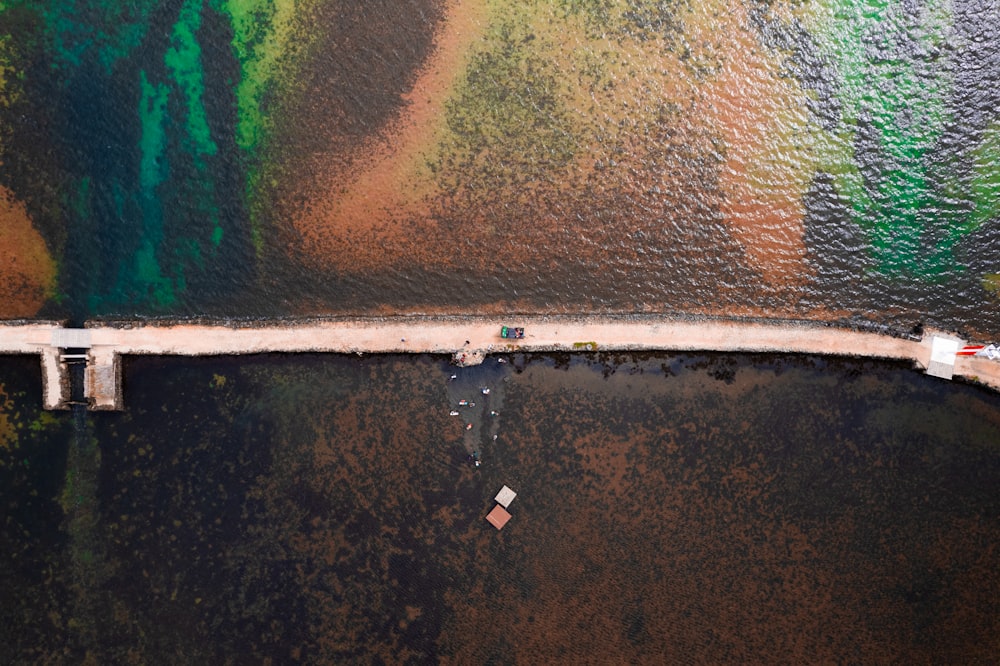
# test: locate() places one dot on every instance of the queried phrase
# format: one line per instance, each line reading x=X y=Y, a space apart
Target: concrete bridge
x=467 y=339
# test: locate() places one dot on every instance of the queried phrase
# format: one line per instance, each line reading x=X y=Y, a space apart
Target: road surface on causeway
x=472 y=337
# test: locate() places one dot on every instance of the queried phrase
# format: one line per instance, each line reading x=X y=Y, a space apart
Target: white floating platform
x=505 y=497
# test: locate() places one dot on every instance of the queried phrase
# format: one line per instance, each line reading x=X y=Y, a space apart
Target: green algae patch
x=107 y=32
x=152 y=116
x=184 y=61
x=268 y=42
x=508 y=123
x=991 y=283
x=44 y=422
x=81 y=477
x=152 y=113
x=264 y=36
x=87 y=562
x=8 y=432
x=8 y=72
x=985 y=185
x=584 y=346
x=888 y=149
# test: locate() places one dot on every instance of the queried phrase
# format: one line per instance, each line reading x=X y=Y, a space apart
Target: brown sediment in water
x=27 y=271
x=643 y=130
x=636 y=196
x=763 y=119
x=721 y=549
x=728 y=88
x=668 y=508
x=380 y=201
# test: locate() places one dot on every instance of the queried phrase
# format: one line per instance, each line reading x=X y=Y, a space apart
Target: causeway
x=467 y=339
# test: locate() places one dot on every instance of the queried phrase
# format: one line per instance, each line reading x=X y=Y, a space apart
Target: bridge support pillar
x=103 y=380
x=55 y=380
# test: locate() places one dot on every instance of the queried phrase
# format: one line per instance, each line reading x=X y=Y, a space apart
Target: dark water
x=680 y=507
